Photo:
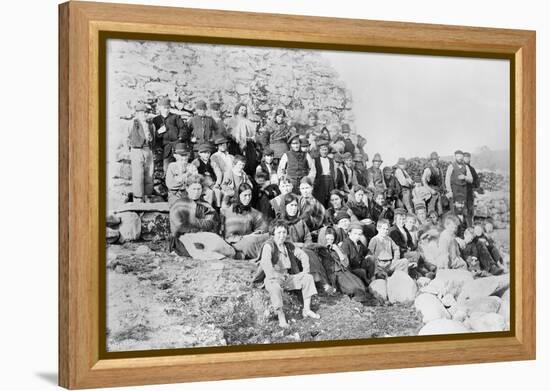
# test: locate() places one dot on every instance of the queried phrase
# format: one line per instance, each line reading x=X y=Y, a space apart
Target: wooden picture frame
x=82 y=209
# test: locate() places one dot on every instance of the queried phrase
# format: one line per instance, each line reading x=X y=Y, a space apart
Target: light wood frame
x=80 y=159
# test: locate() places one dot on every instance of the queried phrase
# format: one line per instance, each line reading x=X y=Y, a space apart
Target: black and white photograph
x=265 y=195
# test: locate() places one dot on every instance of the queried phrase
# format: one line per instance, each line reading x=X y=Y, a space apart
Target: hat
x=345 y=128
x=401 y=161
x=387 y=169
x=221 y=140
x=163 y=102
x=467 y=154
x=292 y=137
x=322 y=142
x=459 y=152
x=215 y=106
x=400 y=211
x=182 y=149
x=205 y=147
x=141 y=107
x=340 y=216
x=358 y=157
x=200 y=105
x=434 y=155
x=355 y=226
x=338 y=158
x=304 y=143
x=268 y=151
x=347 y=156
x=377 y=158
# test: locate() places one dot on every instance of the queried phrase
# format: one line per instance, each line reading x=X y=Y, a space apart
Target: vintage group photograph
x=263 y=195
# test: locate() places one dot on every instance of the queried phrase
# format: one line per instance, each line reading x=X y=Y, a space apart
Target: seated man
x=280 y=262
x=357 y=254
x=475 y=249
x=177 y=172
x=233 y=178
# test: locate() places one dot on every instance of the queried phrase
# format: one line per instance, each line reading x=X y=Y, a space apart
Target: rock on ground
x=483 y=322
x=482 y=304
x=130 y=226
x=443 y=326
x=401 y=288
x=379 y=289
x=448 y=281
x=483 y=287
x=430 y=307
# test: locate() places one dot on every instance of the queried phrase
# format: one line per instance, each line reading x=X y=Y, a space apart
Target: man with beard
x=432 y=178
x=457 y=178
x=375 y=178
x=360 y=169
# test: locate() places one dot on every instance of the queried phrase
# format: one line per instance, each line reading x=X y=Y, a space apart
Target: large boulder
x=484 y=322
x=443 y=326
x=483 y=287
x=448 y=281
x=379 y=289
x=112 y=235
x=430 y=307
x=401 y=288
x=130 y=226
x=482 y=304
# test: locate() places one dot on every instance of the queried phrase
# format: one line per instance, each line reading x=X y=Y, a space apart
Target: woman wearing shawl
x=243 y=226
x=311 y=210
x=276 y=134
x=298 y=233
x=243 y=132
x=337 y=205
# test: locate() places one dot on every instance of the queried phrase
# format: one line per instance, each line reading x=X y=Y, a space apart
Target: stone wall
x=300 y=81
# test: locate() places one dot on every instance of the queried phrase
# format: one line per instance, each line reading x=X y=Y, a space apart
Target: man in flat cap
x=222 y=157
x=141 y=137
x=470 y=187
x=176 y=172
x=295 y=164
x=406 y=183
x=171 y=129
x=457 y=178
x=375 y=177
x=345 y=176
x=211 y=172
x=325 y=174
x=203 y=127
x=432 y=178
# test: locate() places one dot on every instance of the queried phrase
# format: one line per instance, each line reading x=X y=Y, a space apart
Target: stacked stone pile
x=300 y=81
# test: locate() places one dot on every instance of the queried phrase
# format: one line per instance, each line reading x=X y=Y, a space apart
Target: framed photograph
x=248 y=195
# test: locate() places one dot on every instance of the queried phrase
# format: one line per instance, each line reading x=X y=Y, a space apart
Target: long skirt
x=251 y=245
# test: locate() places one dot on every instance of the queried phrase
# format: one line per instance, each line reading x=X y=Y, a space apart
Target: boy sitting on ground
x=385 y=253
x=357 y=254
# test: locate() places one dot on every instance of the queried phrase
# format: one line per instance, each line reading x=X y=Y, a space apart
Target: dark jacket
x=204 y=128
x=356 y=253
x=176 y=132
x=404 y=244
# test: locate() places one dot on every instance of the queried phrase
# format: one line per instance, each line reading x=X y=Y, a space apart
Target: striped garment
x=239 y=224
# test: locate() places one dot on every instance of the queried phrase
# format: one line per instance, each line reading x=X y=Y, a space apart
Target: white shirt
x=325 y=165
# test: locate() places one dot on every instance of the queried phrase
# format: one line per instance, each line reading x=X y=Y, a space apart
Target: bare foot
x=310 y=314
x=283 y=324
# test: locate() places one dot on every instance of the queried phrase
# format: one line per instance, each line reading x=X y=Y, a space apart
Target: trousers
x=142 y=171
x=302 y=281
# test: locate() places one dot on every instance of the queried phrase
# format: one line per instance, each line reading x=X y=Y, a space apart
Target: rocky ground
x=157 y=300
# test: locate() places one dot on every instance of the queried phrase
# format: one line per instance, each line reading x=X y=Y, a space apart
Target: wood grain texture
x=79 y=203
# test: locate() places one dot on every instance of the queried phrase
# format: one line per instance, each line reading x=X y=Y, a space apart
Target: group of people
x=300 y=200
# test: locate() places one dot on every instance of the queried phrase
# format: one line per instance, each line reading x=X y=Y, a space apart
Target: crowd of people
x=302 y=202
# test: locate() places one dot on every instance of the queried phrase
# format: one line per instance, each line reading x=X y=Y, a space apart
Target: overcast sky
x=409 y=105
